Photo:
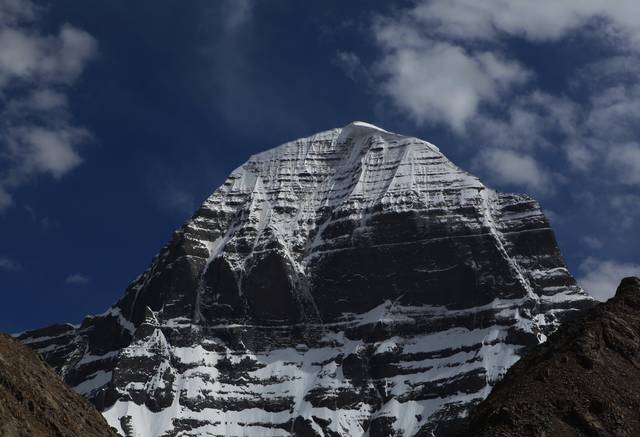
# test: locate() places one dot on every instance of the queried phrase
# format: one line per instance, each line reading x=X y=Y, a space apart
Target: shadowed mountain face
x=355 y=281
x=584 y=381
x=34 y=402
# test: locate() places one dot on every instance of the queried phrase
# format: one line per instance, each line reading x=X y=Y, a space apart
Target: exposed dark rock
x=34 y=402
x=584 y=381
x=355 y=281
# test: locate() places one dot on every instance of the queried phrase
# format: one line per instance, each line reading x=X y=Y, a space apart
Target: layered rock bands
x=352 y=282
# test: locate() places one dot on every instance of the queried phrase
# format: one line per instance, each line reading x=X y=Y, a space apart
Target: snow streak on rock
x=355 y=282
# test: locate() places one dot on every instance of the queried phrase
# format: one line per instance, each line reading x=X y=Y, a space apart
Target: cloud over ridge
x=447 y=63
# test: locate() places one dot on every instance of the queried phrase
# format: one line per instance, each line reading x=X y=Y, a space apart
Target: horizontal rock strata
x=353 y=281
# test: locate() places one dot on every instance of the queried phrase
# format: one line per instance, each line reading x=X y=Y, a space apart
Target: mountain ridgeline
x=34 y=402
x=584 y=381
x=355 y=282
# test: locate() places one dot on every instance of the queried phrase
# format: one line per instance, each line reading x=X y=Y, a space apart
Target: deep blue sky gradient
x=175 y=101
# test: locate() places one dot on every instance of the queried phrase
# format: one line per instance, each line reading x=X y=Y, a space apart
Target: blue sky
x=119 y=118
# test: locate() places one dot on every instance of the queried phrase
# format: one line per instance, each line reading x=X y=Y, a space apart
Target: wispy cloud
x=437 y=81
x=349 y=63
x=592 y=242
x=9 y=264
x=543 y=20
x=448 y=62
x=174 y=199
x=601 y=277
x=45 y=223
x=507 y=167
x=77 y=279
x=236 y=13
x=37 y=135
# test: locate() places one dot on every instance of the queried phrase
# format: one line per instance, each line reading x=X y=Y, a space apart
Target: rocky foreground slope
x=355 y=282
x=34 y=402
x=584 y=381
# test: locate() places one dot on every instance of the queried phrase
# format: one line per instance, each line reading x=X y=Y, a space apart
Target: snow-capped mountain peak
x=354 y=282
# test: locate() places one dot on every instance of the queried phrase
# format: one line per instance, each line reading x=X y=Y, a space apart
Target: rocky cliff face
x=585 y=381
x=34 y=402
x=352 y=282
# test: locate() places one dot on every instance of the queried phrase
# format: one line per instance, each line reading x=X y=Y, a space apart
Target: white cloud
x=601 y=277
x=441 y=59
x=625 y=160
x=435 y=81
x=604 y=137
x=623 y=209
x=512 y=168
x=597 y=136
x=579 y=155
x=540 y=20
x=77 y=279
x=40 y=100
x=15 y=11
x=617 y=105
x=527 y=122
x=45 y=150
x=37 y=135
x=448 y=62
x=28 y=56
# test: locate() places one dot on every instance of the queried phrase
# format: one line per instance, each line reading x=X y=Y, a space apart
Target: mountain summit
x=353 y=282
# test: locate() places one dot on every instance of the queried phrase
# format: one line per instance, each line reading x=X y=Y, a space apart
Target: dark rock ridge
x=34 y=402
x=353 y=282
x=584 y=381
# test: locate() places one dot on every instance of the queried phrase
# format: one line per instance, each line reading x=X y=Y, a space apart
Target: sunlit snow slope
x=351 y=283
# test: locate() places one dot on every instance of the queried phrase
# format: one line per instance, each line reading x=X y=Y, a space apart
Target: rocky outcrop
x=34 y=402
x=352 y=282
x=584 y=381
